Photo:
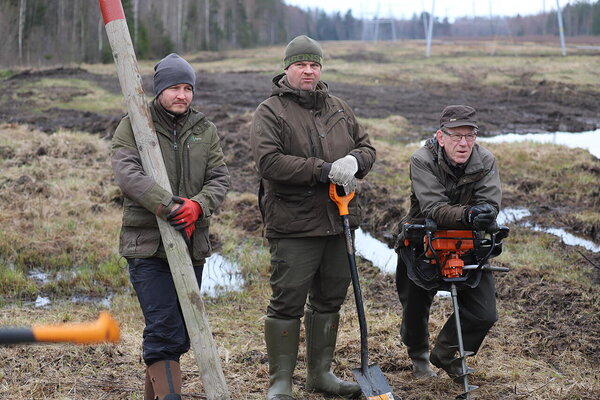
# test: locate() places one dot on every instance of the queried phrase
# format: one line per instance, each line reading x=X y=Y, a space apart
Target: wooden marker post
x=188 y=291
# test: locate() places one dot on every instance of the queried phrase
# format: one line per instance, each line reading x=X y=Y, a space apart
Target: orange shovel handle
x=341 y=201
x=104 y=329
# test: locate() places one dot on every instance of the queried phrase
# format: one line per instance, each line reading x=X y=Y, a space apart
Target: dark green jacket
x=196 y=169
x=295 y=136
x=437 y=193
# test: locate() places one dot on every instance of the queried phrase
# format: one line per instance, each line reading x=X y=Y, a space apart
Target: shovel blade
x=373 y=384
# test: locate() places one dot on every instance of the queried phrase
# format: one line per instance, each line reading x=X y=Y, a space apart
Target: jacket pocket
x=194 y=164
x=201 y=247
x=138 y=242
x=290 y=210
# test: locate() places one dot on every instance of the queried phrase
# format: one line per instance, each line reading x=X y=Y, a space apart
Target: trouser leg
x=477 y=316
x=414 y=330
x=165 y=334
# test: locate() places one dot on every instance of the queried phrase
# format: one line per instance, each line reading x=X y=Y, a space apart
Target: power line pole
x=561 y=29
x=430 y=30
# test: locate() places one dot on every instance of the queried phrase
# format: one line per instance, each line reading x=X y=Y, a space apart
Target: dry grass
x=60 y=213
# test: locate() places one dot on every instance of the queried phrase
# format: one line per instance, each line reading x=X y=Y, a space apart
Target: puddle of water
x=42 y=301
x=566 y=237
x=513 y=215
x=105 y=302
x=220 y=276
x=377 y=252
x=585 y=140
x=38 y=276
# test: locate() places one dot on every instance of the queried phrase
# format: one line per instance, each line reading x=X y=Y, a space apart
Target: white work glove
x=343 y=170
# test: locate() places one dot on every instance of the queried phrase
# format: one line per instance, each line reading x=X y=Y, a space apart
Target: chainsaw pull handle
x=341 y=201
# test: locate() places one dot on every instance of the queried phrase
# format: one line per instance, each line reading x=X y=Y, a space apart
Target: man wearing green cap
x=303 y=138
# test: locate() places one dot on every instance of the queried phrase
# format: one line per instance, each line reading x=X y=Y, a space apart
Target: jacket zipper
x=177 y=163
x=333 y=115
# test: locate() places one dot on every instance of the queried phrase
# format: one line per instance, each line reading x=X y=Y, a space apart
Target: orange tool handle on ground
x=104 y=329
x=341 y=201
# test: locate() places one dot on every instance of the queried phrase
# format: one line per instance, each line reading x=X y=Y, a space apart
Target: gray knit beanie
x=172 y=70
x=302 y=48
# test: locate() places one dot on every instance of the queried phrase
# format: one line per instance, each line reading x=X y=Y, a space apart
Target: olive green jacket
x=295 y=136
x=437 y=193
x=196 y=169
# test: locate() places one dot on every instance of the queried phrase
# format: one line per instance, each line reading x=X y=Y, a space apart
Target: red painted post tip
x=111 y=10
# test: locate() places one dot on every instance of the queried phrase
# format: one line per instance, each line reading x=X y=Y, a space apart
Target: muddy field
x=546 y=342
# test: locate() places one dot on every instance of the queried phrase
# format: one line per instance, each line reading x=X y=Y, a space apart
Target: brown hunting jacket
x=295 y=136
x=437 y=193
x=196 y=169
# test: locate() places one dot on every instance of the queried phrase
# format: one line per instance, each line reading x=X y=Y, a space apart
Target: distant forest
x=46 y=32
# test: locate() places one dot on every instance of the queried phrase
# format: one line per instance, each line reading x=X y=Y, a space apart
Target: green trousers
x=313 y=267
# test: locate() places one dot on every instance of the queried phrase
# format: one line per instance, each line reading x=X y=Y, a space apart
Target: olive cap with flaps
x=172 y=70
x=302 y=48
x=458 y=115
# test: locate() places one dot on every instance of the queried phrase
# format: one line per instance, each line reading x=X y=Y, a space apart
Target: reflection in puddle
x=585 y=140
x=219 y=276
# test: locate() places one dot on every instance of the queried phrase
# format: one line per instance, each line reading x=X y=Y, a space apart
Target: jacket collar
x=310 y=99
x=170 y=121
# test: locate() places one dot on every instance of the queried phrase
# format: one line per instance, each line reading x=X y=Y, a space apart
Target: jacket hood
x=306 y=98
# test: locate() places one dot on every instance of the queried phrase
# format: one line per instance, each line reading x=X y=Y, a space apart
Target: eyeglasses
x=455 y=137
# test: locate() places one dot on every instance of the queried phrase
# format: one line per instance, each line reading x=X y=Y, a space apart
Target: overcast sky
x=443 y=8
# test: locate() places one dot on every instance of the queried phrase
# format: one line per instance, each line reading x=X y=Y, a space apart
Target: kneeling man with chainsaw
x=454 y=184
x=303 y=138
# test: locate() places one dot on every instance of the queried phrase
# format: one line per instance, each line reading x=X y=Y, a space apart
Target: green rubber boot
x=282 y=337
x=321 y=335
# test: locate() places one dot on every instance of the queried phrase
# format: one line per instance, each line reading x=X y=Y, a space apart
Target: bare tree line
x=47 y=32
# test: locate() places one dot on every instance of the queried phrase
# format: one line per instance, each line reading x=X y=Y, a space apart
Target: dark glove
x=480 y=216
x=184 y=215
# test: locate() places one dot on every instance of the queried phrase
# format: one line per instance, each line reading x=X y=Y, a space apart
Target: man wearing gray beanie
x=199 y=180
x=303 y=139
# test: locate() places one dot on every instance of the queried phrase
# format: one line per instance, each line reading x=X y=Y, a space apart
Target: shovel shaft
x=104 y=329
x=360 y=309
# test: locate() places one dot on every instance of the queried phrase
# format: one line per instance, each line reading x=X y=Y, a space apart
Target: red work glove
x=184 y=216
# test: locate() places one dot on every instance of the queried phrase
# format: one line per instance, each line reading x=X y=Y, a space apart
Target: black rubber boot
x=166 y=380
x=321 y=335
x=282 y=337
x=420 y=361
